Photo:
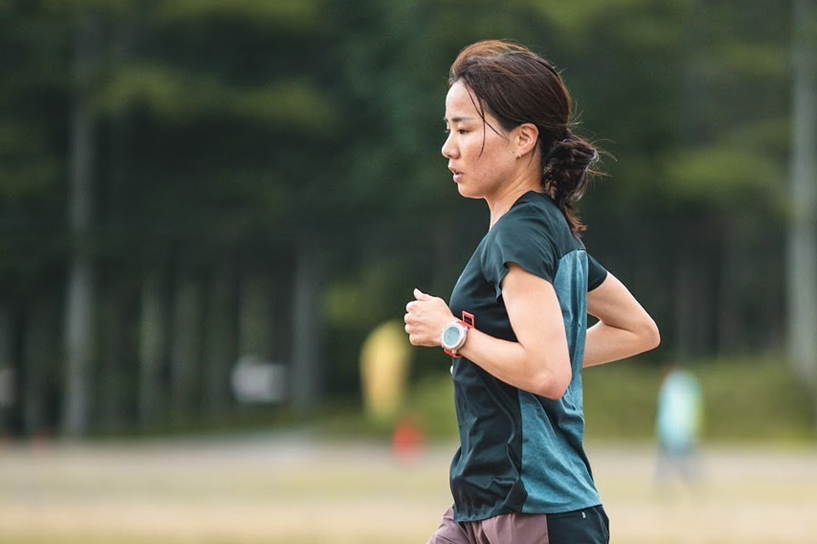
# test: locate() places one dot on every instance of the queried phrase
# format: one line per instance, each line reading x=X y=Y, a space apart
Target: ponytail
x=567 y=173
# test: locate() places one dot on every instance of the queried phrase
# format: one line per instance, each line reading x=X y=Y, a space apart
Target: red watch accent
x=467 y=320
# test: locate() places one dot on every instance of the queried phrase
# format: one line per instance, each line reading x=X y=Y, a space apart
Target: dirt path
x=298 y=490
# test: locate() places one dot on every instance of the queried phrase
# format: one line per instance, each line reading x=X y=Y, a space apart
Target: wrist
x=455 y=334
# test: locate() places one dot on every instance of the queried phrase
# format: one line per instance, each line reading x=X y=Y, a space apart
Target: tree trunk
x=185 y=352
x=40 y=376
x=79 y=310
x=113 y=362
x=731 y=332
x=8 y=380
x=152 y=348
x=802 y=236
x=691 y=313
x=445 y=259
x=255 y=316
x=308 y=327
x=220 y=345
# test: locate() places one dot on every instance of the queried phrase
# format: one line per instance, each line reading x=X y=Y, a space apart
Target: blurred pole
x=80 y=292
x=39 y=374
x=7 y=369
x=185 y=351
x=308 y=325
x=692 y=321
x=220 y=344
x=153 y=342
x=113 y=388
x=802 y=242
x=256 y=334
x=729 y=339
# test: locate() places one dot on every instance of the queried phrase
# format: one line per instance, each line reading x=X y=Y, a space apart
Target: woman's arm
x=624 y=328
x=538 y=362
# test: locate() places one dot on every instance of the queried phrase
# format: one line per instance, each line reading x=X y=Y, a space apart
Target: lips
x=457 y=174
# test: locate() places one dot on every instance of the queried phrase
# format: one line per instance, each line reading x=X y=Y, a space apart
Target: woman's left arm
x=538 y=362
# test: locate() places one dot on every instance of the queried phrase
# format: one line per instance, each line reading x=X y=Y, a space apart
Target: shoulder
x=535 y=217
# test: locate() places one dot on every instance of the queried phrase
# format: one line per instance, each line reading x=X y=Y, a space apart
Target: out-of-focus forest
x=187 y=184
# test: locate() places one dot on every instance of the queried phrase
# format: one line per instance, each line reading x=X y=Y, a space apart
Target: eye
x=462 y=131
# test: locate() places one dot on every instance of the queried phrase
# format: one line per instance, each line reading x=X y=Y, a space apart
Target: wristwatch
x=455 y=334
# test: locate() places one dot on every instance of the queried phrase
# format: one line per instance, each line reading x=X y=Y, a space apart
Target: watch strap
x=468 y=322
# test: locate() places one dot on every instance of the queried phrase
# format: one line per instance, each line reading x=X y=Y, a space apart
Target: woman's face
x=481 y=159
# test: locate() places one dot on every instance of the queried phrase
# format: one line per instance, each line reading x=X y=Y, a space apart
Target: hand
x=426 y=317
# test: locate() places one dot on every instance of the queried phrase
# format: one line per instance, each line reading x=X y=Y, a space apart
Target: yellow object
x=384 y=366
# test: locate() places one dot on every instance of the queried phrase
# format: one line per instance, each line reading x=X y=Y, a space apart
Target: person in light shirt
x=678 y=425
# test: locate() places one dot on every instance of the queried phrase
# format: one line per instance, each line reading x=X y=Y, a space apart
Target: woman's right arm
x=624 y=328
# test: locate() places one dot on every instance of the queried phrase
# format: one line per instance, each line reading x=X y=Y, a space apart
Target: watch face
x=451 y=336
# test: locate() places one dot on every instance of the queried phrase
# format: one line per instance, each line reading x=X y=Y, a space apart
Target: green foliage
x=234 y=131
x=718 y=173
x=429 y=405
x=431 y=402
x=579 y=19
x=744 y=399
x=295 y=16
x=27 y=169
x=172 y=95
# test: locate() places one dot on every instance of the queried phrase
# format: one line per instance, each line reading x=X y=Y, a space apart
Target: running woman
x=516 y=327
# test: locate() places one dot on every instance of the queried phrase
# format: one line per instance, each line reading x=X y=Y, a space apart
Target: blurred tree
x=217 y=124
x=153 y=339
x=802 y=232
x=41 y=372
x=7 y=371
x=33 y=135
x=264 y=178
x=80 y=337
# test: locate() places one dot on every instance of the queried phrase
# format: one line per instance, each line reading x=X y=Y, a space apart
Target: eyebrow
x=457 y=119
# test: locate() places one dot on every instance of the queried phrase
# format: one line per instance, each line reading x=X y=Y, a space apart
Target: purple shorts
x=585 y=526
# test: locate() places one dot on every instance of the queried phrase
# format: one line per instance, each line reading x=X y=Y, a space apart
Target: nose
x=449 y=149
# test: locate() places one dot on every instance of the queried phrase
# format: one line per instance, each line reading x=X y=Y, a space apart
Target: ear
x=525 y=139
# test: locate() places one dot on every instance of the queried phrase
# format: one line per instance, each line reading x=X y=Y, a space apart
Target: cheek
x=488 y=164
x=494 y=165
x=470 y=149
x=478 y=154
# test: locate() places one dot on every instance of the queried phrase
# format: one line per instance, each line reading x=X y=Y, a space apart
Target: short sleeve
x=524 y=240
x=596 y=274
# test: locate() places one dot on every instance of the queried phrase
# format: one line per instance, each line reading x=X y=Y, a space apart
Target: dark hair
x=518 y=86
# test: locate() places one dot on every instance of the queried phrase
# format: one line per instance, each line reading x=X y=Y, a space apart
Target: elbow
x=651 y=335
x=553 y=385
x=556 y=392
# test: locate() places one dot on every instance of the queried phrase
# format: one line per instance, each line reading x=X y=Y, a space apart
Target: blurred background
x=212 y=213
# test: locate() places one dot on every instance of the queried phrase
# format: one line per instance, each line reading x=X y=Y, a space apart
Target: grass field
x=293 y=489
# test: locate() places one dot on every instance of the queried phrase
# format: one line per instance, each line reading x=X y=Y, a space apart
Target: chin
x=463 y=190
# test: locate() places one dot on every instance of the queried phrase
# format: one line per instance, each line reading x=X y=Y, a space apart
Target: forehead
x=460 y=103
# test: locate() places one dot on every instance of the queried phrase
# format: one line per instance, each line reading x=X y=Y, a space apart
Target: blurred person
x=678 y=425
x=521 y=474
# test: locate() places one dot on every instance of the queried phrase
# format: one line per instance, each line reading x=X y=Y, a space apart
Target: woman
x=517 y=324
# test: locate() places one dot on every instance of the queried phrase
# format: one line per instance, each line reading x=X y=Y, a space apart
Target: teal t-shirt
x=520 y=452
x=678 y=422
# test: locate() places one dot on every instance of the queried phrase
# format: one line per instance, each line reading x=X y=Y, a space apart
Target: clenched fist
x=425 y=318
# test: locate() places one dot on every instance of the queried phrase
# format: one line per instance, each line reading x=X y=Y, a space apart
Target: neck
x=501 y=202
